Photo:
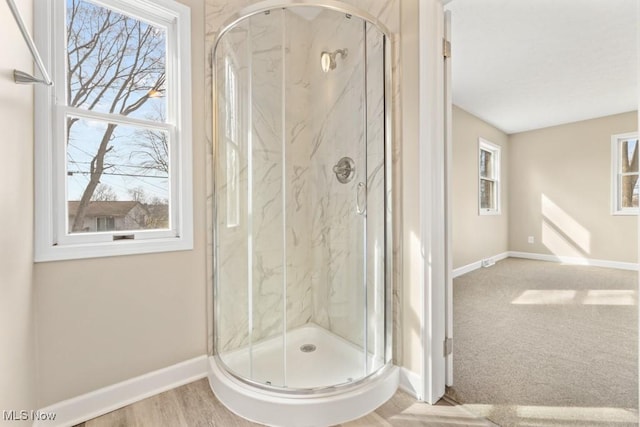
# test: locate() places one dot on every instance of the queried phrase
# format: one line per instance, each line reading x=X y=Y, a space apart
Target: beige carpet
x=545 y=344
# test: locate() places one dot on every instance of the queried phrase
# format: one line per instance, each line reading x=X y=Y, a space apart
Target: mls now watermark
x=25 y=415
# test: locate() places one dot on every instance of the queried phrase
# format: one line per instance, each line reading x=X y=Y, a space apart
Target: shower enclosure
x=302 y=243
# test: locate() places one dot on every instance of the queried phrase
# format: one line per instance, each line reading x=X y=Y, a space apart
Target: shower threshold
x=314 y=359
x=333 y=361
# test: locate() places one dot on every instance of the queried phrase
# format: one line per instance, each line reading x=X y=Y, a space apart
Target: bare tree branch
x=115 y=60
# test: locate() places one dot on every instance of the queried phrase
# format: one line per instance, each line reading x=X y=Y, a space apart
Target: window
x=489 y=182
x=105 y=223
x=624 y=155
x=113 y=156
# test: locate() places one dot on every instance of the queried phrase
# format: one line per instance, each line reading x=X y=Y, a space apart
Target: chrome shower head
x=328 y=59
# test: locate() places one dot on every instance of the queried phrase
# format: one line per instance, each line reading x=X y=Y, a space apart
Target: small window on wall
x=624 y=153
x=489 y=182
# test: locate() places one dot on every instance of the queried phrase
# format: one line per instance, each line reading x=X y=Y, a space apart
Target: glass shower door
x=251 y=215
x=377 y=250
x=300 y=243
x=268 y=213
x=231 y=275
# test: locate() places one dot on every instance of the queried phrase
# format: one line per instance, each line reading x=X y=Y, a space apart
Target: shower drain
x=307 y=348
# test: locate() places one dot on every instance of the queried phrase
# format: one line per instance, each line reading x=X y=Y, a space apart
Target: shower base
x=334 y=361
x=315 y=358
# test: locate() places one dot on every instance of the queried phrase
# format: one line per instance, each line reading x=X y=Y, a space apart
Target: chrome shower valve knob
x=345 y=170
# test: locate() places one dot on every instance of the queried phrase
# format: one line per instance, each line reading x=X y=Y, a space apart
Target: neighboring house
x=113 y=215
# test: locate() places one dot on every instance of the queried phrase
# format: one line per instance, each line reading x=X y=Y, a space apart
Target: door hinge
x=448 y=346
x=446 y=48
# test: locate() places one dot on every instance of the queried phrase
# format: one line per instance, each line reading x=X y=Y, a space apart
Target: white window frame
x=495 y=150
x=616 y=189
x=52 y=241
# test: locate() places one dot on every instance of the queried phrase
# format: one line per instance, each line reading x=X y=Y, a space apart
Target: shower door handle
x=361 y=198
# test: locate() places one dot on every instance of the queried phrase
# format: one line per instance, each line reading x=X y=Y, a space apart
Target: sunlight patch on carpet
x=568 y=296
x=522 y=413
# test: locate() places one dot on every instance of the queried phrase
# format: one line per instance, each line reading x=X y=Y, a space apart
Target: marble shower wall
x=341 y=254
x=299 y=309
x=337 y=230
x=266 y=163
x=307 y=200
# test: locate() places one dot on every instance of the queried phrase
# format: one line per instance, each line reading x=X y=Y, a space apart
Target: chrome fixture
x=361 y=198
x=328 y=59
x=21 y=76
x=345 y=170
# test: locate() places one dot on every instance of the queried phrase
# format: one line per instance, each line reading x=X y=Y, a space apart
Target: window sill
x=489 y=212
x=109 y=249
x=625 y=213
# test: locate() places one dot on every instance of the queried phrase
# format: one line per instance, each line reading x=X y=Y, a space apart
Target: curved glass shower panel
x=252 y=217
x=232 y=301
x=301 y=265
x=376 y=249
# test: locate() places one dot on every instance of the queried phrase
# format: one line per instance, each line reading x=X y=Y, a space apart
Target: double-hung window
x=113 y=135
x=489 y=178
x=624 y=156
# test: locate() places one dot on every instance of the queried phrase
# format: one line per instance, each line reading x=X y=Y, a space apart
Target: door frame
x=448 y=163
x=433 y=200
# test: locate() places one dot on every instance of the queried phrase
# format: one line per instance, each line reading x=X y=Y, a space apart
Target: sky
x=127 y=164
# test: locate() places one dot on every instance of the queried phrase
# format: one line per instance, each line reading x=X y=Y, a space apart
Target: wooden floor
x=194 y=405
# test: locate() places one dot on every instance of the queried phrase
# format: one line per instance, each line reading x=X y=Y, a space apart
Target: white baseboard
x=93 y=404
x=476 y=265
x=547 y=257
x=410 y=383
x=576 y=260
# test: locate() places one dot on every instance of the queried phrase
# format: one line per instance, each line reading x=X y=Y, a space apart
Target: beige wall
x=17 y=336
x=561 y=191
x=105 y=320
x=562 y=200
x=476 y=236
x=410 y=318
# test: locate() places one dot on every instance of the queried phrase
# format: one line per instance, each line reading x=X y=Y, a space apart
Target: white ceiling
x=529 y=64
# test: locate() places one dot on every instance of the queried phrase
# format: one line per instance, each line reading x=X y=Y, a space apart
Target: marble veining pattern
x=320 y=230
